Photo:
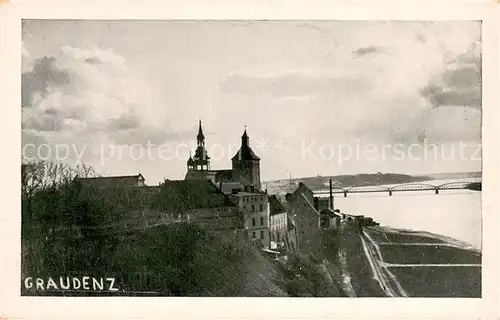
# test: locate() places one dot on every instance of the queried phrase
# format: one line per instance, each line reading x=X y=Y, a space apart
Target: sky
x=316 y=97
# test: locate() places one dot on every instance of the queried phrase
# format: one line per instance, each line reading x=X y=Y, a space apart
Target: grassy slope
x=199 y=263
x=437 y=282
x=183 y=260
x=178 y=259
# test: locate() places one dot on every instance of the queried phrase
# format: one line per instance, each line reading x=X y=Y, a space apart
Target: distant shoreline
x=432 y=176
x=364 y=179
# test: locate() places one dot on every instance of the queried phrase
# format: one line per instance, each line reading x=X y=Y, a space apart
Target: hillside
x=342 y=181
x=72 y=231
x=455 y=175
x=179 y=259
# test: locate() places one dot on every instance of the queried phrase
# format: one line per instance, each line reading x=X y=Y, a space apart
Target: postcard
x=166 y=154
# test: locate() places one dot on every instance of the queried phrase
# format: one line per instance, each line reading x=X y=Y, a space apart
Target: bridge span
x=435 y=186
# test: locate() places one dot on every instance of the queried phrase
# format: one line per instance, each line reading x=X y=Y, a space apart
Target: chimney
x=331 y=195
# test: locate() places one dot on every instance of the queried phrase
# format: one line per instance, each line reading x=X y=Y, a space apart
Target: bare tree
x=57 y=173
x=32 y=177
x=83 y=170
x=32 y=180
x=39 y=175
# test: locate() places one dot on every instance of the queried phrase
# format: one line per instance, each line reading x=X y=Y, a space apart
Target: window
x=262 y=234
x=261 y=207
x=253 y=235
x=278 y=236
x=253 y=222
x=253 y=207
x=261 y=221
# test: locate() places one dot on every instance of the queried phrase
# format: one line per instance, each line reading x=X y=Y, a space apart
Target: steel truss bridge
x=390 y=189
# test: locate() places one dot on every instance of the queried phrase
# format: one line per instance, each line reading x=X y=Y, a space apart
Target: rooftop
x=194 y=194
x=113 y=180
x=224 y=175
x=275 y=205
x=245 y=153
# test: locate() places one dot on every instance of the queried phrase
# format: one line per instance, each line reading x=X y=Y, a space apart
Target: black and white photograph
x=251 y=158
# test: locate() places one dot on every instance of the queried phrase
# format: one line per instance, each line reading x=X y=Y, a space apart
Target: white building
x=278 y=223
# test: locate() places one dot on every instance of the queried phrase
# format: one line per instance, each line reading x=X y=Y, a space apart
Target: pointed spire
x=190 y=161
x=244 y=138
x=201 y=136
x=245 y=153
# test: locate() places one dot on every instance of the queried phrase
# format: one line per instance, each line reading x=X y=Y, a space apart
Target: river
x=453 y=213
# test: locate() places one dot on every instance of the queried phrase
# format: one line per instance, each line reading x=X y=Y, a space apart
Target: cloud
x=127 y=121
x=439 y=125
x=459 y=83
x=41 y=121
x=329 y=84
x=293 y=84
x=385 y=99
x=89 y=94
x=93 y=60
x=24 y=52
x=44 y=77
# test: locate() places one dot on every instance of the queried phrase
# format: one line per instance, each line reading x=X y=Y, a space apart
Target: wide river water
x=453 y=213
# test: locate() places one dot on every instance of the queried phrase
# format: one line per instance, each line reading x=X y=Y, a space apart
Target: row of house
x=292 y=224
x=231 y=199
x=311 y=216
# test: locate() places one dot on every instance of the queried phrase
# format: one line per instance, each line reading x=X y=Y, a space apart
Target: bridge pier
x=345 y=194
x=390 y=192
x=437 y=191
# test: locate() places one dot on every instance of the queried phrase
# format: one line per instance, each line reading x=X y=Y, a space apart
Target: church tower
x=201 y=160
x=246 y=165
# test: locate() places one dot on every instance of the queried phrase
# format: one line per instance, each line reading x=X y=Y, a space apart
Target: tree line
x=62 y=218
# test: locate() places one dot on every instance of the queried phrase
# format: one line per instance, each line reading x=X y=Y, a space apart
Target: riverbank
x=455 y=213
x=380 y=261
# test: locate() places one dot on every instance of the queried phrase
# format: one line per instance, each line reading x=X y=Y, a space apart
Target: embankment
x=179 y=259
